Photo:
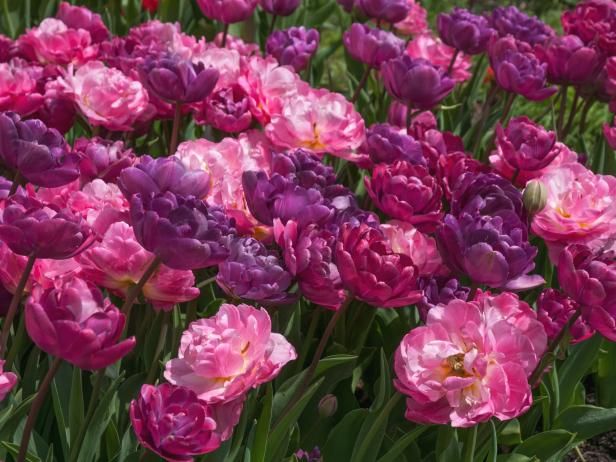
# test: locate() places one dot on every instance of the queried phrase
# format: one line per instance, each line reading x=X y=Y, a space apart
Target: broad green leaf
x=606 y=374
x=511 y=434
x=14 y=450
x=393 y=455
x=447 y=447
x=586 y=421
x=343 y=438
x=576 y=366
x=259 y=445
x=373 y=430
x=546 y=445
x=75 y=405
x=515 y=458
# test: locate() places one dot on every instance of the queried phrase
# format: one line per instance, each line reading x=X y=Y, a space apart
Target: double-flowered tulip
x=465 y=31
x=526 y=145
x=372 y=46
x=104 y=159
x=510 y=20
x=554 y=309
x=280 y=7
x=293 y=47
x=227 y=11
x=391 y=11
x=387 y=144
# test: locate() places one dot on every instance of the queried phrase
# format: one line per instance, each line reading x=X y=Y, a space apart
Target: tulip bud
x=328 y=406
x=535 y=197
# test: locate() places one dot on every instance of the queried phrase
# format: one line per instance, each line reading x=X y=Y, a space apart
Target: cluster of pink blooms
x=263 y=206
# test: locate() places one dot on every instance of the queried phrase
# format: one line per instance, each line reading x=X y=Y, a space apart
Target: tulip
x=372 y=272
x=416 y=82
x=594 y=21
x=465 y=31
x=173 y=423
x=58 y=110
x=20 y=91
x=440 y=291
x=104 y=159
x=554 y=310
x=309 y=456
x=227 y=110
x=328 y=405
x=416 y=21
x=78 y=17
x=155 y=176
x=517 y=69
x=251 y=272
x=391 y=11
x=569 y=61
x=535 y=197
x=38 y=154
x=183 y=232
x=371 y=46
x=451 y=168
x=227 y=11
x=455 y=64
x=386 y=144
x=8 y=380
x=511 y=21
x=493 y=251
x=610 y=135
x=280 y=7
x=305 y=168
x=176 y=80
x=526 y=145
x=75 y=323
x=221 y=358
x=293 y=47
x=6 y=48
x=347 y=5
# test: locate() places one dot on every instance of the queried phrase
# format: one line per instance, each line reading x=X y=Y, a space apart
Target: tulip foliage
x=307 y=231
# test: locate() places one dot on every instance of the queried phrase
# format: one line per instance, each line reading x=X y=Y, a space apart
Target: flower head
x=280 y=7
x=79 y=17
x=371 y=46
x=432 y=49
x=510 y=20
x=391 y=11
x=526 y=145
x=465 y=31
x=104 y=159
x=19 y=87
x=554 y=309
x=293 y=47
x=227 y=11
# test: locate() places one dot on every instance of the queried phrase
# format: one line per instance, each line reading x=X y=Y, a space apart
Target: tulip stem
x=225 y=33
x=135 y=290
x=573 y=112
x=15 y=185
x=100 y=376
x=549 y=354
x=159 y=347
x=175 y=133
x=452 y=62
x=507 y=108
x=516 y=173
x=273 y=24
x=585 y=111
x=36 y=407
x=206 y=282
x=314 y=322
x=561 y=112
x=10 y=315
x=305 y=381
x=361 y=84
x=485 y=113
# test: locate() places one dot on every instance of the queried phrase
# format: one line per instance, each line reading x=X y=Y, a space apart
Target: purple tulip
x=517 y=69
x=154 y=176
x=305 y=168
x=493 y=251
x=227 y=110
x=569 y=61
x=312 y=456
x=440 y=291
x=78 y=17
x=526 y=145
x=465 y=31
x=227 y=11
x=252 y=272
x=58 y=111
x=38 y=153
x=416 y=82
x=372 y=272
x=391 y=11
x=182 y=231
x=554 y=309
x=176 y=80
x=386 y=144
x=486 y=194
x=372 y=46
x=347 y=5
x=74 y=322
x=308 y=254
x=281 y=197
x=30 y=228
x=511 y=21
x=173 y=423
x=293 y=47
x=280 y=7
x=104 y=159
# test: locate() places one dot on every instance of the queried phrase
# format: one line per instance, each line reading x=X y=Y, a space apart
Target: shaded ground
x=599 y=449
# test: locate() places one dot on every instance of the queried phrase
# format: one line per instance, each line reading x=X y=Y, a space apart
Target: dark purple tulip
x=493 y=251
x=372 y=46
x=440 y=291
x=391 y=11
x=58 y=111
x=386 y=144
x=305 y=167
x=30 y=228
x=486 y=194
x=526 y=145
x=554 y=309
x=182 y=231
x=312 y=456
x=227 y=110
x=511 y=21
x=280 y=197
x=465 y=31
x=252 y=272
x=154 y=176
x=569 y=61
x=5 y=300
x=38 y=153
x=5 y=187
x=104 y=159
x=416 y=82
x=280 y=7
x=78 y=17
x=293 y=47
x=347 y=5
x=517 y=69
x=177 y=80
x=407 y=192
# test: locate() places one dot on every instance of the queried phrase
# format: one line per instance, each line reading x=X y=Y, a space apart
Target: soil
x=599 y=449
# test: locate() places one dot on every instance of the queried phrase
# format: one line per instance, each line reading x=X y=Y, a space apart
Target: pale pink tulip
x=18 y=87
x=429 y=47
x=416 y=22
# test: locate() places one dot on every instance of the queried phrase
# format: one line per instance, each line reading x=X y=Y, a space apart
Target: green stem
x=98 y=384
x=175 y=133
x=314 y=322
x=361 y=84
x=191 y=312
x=10 y=315
x=225 y=33
x=9 y=21
x=485 y=113
x=573 y=112
x=159 y=347
x=273 y=24
x=452 y=62
x=206 y=282
x=585 y=111
x=135 y=290
x=561 y=112
x=470 y=444
x=507 y=108
x=36 y=407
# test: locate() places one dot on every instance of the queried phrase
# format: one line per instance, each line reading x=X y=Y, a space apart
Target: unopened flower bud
x=535 y=197
x=328 y=406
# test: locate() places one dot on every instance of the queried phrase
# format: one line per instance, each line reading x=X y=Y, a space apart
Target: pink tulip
x=431 y=48
x=416 y=22
x=7 y=381
x=79 y=17
x=609 y=131
x=105 y=96
x=74 y=322
x=53 y=42
x=237 y=44
x=19 y=91
x=405 y=238
x=223 y=357
x=119 y=261
x=321 y=121
x=471 y=361
x=225 y=60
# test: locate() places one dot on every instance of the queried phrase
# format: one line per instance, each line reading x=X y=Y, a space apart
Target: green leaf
x=401 y=444
x=606 y=374
x=586 y=421
x=383 y=385
x=373 y=430
x=75 y=405
x=342 y=439
x=14 y=450
x=546 y=445
x=63 y=428
x=511 y=435
x=259 y=446
x=575 y=368
x=515 y=458
x=447 y=447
